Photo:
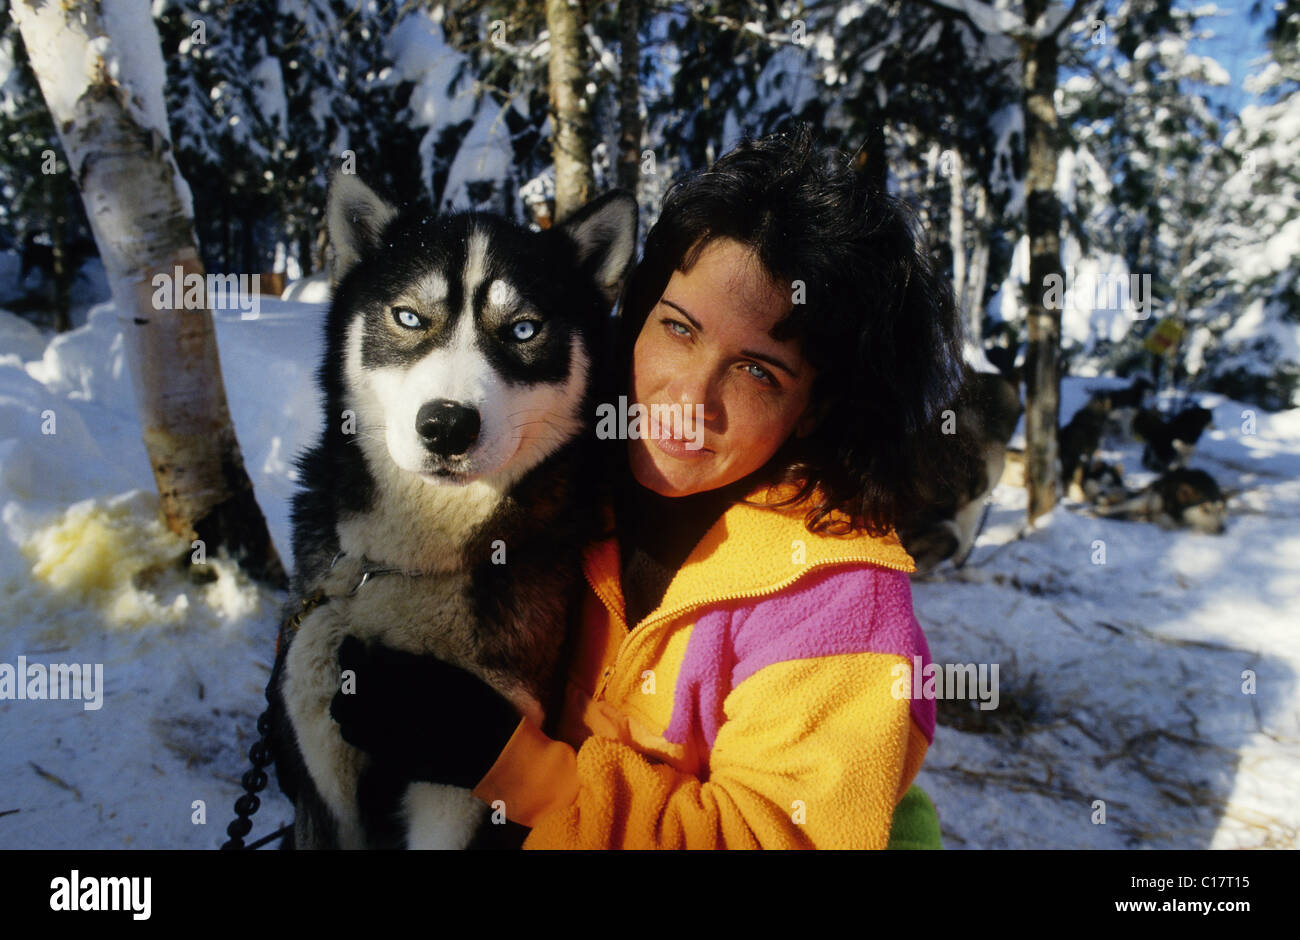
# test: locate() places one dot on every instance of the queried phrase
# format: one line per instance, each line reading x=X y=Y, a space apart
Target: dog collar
x=370 y=570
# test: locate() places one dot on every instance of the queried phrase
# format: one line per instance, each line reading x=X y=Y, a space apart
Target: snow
x=987 y=18
x=783 y=83
x=1120 y=681
x=1007 y=126
x=442 y=95
x=309 y=290
x=484 y=155
x=128 y=51
x=268 y=85
x=1253 y=324
x=85 y=577
x=136 y=59
x=852 y=10
x=19 y=338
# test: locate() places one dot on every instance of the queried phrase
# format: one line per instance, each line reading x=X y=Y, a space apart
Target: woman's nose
x=691 y=389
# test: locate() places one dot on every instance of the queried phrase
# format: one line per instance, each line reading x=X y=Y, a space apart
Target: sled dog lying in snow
x=1182 y=498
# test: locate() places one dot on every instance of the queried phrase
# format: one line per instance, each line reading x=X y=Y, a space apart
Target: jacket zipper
x=610 y=670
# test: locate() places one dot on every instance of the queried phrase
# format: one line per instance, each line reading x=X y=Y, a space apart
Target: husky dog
x=1098 y=484
x=1182 y=498
x=1123 y=406
x=987 y=411
x=1079 y=439
x=445 y=507
x=1169 y=444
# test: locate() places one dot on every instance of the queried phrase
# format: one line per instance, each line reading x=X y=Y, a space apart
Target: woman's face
x=706 y=343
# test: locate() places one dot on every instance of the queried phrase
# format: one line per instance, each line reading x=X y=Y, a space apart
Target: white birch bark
x=100 y=68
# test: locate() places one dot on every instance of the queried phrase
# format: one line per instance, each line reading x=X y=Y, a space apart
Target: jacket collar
x=749 y=552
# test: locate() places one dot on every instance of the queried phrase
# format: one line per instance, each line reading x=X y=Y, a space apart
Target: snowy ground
x=1122 y=681
x=185 y=666
x=1119 y=682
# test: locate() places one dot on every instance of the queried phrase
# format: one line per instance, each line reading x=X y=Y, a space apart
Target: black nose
x=448 y=428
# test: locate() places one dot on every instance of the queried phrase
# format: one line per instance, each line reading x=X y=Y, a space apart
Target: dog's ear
x=604 y=232
x=355 y=217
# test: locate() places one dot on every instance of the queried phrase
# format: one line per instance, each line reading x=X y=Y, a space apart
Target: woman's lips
x=678 y=449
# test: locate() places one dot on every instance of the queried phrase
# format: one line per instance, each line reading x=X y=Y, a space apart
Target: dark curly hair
x=879 y=323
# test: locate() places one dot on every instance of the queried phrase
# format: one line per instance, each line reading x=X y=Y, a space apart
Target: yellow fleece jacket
x=757 y=707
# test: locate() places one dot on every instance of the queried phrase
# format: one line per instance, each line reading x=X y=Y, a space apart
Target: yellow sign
x=1164 y=337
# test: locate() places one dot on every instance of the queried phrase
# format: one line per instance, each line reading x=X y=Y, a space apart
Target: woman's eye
x=407 y=317
x=525 y=329
x=676 y=328
x=761 y=374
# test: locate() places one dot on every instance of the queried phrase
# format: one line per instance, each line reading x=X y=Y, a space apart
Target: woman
x=736 y=670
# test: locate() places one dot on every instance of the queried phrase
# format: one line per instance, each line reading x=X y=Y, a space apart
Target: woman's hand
x=422 y=718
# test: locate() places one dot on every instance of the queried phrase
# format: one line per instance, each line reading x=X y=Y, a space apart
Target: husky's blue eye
x=524 y=329
x=407 y=317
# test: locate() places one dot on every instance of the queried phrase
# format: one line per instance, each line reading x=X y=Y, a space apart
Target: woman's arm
x=814 y=750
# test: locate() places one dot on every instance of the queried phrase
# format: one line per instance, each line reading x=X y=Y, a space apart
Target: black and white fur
x=1098 y=483
x=458 y=400
x=1183 y=498
x=1123 y=406
x=987 y=411
x=1170 y=443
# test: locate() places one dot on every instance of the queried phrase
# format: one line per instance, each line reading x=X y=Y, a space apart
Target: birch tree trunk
x=101 y=71
x=1043 y=224
x=572 y=132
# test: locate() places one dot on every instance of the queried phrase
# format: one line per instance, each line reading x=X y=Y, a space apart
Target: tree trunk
x=305 y=263
x=957 y=232
x=251 y=262
x=977 y=276
x=113 y=126
x=1043 y=224
x=629 y=95
x=932 y=158
x=227 y=246
x=59 y=252
x=572 y=133
x=1177 y=372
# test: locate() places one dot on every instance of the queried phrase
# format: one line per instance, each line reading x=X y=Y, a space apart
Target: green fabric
x=916 y=822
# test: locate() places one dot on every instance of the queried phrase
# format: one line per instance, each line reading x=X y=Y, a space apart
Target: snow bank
x=89 y=574
x=20 y=338
x=308 y=290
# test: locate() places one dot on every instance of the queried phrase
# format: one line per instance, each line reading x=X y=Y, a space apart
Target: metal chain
x=260 y=754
